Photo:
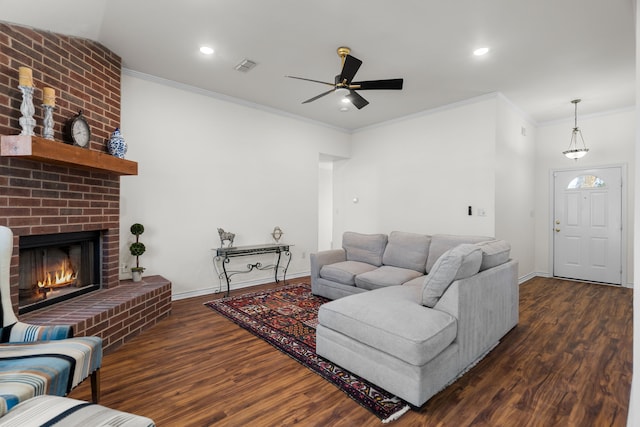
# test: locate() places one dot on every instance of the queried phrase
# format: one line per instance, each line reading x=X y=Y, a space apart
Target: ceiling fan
x=344 y=81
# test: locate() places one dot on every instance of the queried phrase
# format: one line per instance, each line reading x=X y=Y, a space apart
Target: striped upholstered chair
x=64 y=412
x=37 y=360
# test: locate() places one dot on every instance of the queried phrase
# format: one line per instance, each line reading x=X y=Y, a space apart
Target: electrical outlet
x=124 y=268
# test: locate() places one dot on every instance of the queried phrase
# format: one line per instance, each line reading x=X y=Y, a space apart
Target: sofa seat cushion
x=385 y=276
x=390 y=320
x=345 y=272
x=418 y=281
x=407 y=250
x=367 y=248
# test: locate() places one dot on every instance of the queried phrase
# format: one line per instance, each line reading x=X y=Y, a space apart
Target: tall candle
x=26 y=76
x=49 y=97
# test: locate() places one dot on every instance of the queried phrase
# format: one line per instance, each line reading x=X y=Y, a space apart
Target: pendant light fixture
x=573 y=152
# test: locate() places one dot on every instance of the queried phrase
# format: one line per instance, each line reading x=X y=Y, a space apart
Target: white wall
x=633 y=419
x=209 y=163
x=206 y=163
x=515 y=184
x=325 y=204
x=610 y=138
x=420 y=174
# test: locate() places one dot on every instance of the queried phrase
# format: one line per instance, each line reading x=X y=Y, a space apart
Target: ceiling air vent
x=245 y=65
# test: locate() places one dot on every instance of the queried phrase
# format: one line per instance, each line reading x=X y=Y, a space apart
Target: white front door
x=588 y=225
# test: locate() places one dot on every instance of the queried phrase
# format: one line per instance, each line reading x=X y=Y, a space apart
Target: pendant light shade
x=576 y=151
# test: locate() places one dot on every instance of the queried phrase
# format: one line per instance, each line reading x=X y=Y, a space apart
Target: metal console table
x=225 y=254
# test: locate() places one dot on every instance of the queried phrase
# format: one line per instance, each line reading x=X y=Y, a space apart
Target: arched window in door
x=585 y=181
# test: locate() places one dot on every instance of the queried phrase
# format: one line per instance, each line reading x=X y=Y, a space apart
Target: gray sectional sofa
x=411 y=312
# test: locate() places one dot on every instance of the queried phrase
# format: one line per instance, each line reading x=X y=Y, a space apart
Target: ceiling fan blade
x=394 y=84
x=311 y=80
x=357 y=100
x=318 y=96
x=350 y=68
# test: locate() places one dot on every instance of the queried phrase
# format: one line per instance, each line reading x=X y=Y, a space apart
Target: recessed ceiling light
x=481 y=51
x=206 y=50
x=344 y=109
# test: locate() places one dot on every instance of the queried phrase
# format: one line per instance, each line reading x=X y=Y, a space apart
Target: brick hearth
x=41 y=198
x=115 y=314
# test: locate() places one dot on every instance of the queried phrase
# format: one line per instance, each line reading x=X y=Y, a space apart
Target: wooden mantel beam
x=59 y=153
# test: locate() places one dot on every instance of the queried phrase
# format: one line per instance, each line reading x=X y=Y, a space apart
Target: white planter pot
x=136 y=276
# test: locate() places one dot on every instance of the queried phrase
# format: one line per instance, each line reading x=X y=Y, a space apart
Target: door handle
x=557 y=230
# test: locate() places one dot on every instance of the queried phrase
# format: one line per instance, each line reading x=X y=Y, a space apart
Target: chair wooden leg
x=95 y=386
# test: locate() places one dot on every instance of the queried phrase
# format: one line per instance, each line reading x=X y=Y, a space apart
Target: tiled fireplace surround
x=43 y=198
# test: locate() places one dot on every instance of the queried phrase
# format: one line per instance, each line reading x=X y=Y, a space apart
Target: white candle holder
x=47 y=129
x=27 y=122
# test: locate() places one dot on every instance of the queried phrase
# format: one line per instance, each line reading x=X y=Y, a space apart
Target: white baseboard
x=239 y=285
x=531 y=275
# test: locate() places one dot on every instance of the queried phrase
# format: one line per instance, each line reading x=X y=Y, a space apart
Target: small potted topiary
x=137 y=248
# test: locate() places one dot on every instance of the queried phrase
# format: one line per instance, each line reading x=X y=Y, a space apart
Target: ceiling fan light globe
x=342 y=92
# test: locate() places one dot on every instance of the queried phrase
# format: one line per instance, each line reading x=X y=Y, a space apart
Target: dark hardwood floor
x=567 y=363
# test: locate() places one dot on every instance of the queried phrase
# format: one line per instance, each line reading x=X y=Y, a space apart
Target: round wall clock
x=77 y=131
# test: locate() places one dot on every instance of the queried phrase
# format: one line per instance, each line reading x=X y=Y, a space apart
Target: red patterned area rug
x=286 y=318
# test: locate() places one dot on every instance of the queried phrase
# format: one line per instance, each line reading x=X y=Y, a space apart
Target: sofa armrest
x=486 y=306
x=24 y=332
x=322 y=258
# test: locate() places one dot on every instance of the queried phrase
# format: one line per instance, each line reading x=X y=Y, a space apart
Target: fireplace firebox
x=57 y=267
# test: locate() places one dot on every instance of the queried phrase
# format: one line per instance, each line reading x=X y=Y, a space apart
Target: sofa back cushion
x=494 y=253
x=407 y=250
x=364 y=247
x=441 y=243
x=458 y=263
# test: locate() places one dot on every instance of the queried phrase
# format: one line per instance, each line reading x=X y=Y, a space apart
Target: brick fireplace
x=42 y=197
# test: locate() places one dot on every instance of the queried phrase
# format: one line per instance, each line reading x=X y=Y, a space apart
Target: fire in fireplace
x=56 y=267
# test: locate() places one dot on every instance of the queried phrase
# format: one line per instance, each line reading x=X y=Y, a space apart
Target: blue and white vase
x=117 y=146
